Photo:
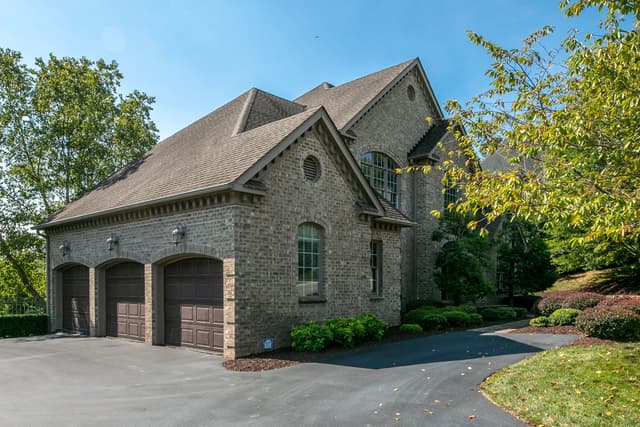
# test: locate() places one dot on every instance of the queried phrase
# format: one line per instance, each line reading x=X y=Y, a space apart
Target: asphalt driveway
x=72 y=381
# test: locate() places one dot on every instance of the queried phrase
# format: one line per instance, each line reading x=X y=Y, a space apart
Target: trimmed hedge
x=411 y=328
x=310 y=337
x=456 y=318
x=615 y=323
x=419 y=303
x=499 y=313
x=539 y=322
x=373 y=327
x=346 y=331
x=23 y=325
x=475 y=319
x=564 y=316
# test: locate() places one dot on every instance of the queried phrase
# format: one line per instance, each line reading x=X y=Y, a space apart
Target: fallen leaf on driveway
x=472 y=417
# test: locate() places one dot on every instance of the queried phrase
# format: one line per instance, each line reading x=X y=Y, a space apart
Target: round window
x=311 y=168
x=411 y=92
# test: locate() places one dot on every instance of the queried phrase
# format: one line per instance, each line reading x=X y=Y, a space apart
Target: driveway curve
x=429 y=381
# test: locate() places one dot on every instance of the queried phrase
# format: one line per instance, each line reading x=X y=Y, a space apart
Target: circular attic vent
x=311 y=167
x=411 y=92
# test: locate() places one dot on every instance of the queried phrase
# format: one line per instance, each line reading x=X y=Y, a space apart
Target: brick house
x=263 y=214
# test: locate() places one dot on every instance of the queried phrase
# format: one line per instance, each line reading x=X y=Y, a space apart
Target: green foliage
x=539 y=322
x=465 y=308
x=411 y=328
x=346 y=331
x=475 y=319
x=614 y=323
x=433 y=321
x=520 y=312
x=310 y=337
x=524 y=262
x=565 y=118
x=498 y=313
x=456 y=318
x=23 y=325
x=373 y=327
x=64 y=127
x=418 y=303
x=462 y=261
x=564 y=316
x=527 y=302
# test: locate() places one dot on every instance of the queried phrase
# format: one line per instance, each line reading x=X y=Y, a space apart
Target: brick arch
x=184 y=250
x=118 y=256
x=60 y=263
x=377 y=148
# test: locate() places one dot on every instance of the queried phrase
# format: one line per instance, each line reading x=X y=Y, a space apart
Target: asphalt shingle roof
x=430 y=139
x=344 y=102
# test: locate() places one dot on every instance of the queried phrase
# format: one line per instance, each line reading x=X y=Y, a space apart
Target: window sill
x=312 y=300
x=376 y=298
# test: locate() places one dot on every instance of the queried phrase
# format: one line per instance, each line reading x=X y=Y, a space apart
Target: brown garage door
x=125 y=300
x=75 y=300
x=193 y=304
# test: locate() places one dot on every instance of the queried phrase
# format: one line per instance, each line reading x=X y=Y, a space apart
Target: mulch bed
x=562 y=330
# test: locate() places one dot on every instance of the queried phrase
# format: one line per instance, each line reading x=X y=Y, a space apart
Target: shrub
x=346 y=331
x=539 y=322
x=629 y=302
x=23 y=325
x=433 y=322
x=310 y=337
x=415 y=316
x=475 y=319
x=465 y=308
x=498 y=313
x=564 y=316
x=520 y=312
x=419 y=303
x=411 y=328
x=616 y=323
x=373 y=327
x=582 y=300
x=550 y=303
x=456 y=318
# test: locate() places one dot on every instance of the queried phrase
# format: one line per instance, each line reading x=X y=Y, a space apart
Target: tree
x=64 y=127
x=524 y=262
x=462 y=261
x=568 y=119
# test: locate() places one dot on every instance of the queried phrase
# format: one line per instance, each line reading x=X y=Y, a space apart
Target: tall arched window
x=309 y=247
x=380 y=170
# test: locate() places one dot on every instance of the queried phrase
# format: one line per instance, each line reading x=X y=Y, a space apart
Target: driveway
x=73 y=381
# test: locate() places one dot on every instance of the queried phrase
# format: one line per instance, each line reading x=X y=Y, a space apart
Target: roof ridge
x=244 y=114
x=405 y=63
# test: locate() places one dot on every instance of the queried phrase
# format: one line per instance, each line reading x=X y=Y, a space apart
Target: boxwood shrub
x=23 y=325
x=411 y=328
x=475 y=319
x=456 y=318
x=310 y=337
x=539 y=322
x=615 y=323
x=564 y=316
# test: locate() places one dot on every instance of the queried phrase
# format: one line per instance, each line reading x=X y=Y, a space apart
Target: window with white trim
x=380 y=171
x=376 y=267
x=309 y=247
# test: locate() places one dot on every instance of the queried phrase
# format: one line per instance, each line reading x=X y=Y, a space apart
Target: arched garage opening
x=194 y=308
x=124 y=285
x=75 y=299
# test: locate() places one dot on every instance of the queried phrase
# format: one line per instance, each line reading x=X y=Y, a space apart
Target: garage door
x=75 y=300
x=125 y=300
x=193 y=304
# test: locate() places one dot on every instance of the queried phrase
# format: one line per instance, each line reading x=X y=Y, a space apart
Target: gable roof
x=346 y=103
x=430 y=139
x=208 y=155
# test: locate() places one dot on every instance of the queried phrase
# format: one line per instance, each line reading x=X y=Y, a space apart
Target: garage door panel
x=191 y=306
x=125 y=300
x=75 y=300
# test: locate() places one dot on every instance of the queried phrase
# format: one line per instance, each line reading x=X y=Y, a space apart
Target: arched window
x=380 y=170
x=309 y=247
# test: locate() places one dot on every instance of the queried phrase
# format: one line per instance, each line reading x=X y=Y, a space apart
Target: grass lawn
x=572 y=386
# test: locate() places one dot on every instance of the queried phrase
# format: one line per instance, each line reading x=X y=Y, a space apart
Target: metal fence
x=21 y=306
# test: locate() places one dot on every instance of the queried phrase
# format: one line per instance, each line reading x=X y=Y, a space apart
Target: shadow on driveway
x=437 y=348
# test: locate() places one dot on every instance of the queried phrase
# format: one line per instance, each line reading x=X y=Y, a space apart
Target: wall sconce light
x=178 y=233
x=113 y=241
x=65 y=248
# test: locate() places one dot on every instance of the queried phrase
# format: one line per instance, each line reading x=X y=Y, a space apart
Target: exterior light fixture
x=178 y=233
x=113 y=241
x=64 y=248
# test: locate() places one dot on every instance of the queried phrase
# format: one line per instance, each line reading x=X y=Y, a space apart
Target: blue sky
x=194 y=56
